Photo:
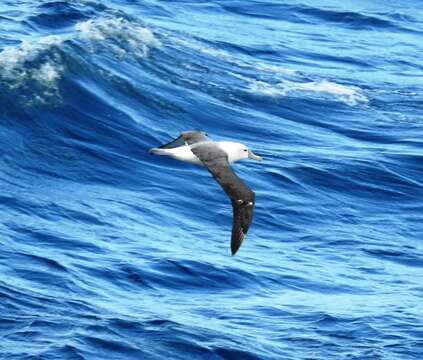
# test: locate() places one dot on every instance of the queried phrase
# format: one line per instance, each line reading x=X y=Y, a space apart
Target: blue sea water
x=109 y=253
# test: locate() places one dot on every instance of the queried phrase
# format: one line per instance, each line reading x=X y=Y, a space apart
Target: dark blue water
x=109 y=253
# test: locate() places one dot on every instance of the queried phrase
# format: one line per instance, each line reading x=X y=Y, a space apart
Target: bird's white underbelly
x=184 y=153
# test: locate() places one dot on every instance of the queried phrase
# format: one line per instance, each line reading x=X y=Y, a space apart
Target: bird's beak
x=253 y=156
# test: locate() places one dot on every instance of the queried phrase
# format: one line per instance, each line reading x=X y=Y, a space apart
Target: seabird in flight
x=195 y=147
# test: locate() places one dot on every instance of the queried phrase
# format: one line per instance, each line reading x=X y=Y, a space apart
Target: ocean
x=107 y=252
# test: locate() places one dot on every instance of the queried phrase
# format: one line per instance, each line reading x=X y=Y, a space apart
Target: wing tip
x=234 y=247
x=236 y=243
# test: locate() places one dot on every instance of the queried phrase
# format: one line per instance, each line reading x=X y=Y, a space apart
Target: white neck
x=233 y=149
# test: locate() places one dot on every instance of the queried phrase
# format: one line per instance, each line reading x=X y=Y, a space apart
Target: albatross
x=197 y=148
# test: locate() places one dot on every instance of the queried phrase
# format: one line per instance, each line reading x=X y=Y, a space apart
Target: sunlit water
x=109 y=253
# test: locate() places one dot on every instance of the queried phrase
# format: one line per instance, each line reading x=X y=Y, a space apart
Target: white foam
x=88 y=31
x=12 y=57
x=38 y=59
x=350 y=95
x=264 y=88
x=48 y=74
x=119 y=35
x=13 y=61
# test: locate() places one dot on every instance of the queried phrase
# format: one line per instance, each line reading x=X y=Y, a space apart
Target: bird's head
x=237 y=151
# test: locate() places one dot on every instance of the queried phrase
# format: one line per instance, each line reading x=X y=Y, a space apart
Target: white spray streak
x=350 y=95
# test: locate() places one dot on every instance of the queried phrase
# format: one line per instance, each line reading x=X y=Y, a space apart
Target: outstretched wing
x=241 y=196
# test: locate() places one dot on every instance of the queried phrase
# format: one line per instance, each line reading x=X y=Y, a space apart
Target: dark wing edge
x=242 y=197
x=186 y=137
x=242 y=219
x=179 y=141
x=192 y=137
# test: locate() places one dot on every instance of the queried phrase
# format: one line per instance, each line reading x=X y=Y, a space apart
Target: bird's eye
x=245 y=149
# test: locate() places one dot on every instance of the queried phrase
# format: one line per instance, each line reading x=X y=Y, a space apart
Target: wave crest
x=118 y=34
x=35 y=66
x=13 y=59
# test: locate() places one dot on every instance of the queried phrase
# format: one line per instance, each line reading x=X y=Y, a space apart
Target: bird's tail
x=157 y=151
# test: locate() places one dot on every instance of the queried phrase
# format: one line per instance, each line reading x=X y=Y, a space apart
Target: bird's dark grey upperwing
x=179 y=141
x=189 y=137
x=193 y=137
x=241 y=196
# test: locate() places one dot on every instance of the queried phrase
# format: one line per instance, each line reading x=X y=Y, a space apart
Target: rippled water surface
x=109 y=253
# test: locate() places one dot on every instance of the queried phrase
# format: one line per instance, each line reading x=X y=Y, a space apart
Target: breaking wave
x=46 y=59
